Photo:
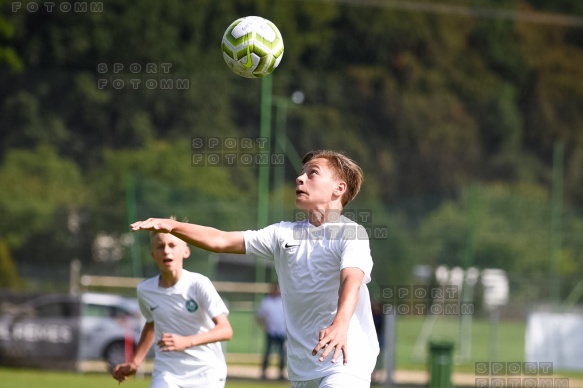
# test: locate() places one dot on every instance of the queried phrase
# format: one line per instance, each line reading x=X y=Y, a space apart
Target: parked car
x=110 y=327
x=58 y=331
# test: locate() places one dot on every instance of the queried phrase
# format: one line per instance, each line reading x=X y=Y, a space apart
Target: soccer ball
x=252 y=47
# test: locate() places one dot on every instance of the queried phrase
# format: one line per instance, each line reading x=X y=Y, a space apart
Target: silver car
x=110 y=327
x=59 y=331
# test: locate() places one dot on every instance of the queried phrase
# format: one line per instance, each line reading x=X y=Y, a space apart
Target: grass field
x=509 y=344
x=502 y=342
x=20 y=378
x=247 y=343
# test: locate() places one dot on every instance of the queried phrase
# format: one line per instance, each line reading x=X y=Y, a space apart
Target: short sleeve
x=356 y=254
x=261 y=243
x=145 y=310
x=213 y=303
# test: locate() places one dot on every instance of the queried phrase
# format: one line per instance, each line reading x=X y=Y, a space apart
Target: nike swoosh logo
x=289 y=246
x=152 y=308
x=249 y=62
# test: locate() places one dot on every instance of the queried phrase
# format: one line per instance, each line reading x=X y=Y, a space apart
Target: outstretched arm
x=200 y=236
x=336 y=335
x=122 y=371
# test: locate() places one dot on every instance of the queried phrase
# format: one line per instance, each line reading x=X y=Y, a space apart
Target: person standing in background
x=270 y=317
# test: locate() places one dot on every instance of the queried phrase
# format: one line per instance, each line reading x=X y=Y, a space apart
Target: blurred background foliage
x=455 y=118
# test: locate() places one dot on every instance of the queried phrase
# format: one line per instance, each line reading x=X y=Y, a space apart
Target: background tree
x=428 y=103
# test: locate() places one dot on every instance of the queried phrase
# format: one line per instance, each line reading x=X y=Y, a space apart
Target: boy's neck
x=321 y=216
x=167 y=280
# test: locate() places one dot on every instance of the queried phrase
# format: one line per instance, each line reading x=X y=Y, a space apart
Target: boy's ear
x=340 y=188
x=187 y=252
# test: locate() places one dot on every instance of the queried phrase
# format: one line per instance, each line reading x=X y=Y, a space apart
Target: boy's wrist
x=172 y=225
x=341 y=319
x=192 y=341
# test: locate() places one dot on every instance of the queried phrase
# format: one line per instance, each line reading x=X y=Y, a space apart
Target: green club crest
x=191 y=305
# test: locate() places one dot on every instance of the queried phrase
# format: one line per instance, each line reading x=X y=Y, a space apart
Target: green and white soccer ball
x=252 y=47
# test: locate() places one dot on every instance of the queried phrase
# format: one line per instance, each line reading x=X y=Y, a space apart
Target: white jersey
x=308 y=261
x=187 y=308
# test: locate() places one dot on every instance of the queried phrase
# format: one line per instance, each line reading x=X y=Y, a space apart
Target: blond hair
x=156 y=232
x=343 y=168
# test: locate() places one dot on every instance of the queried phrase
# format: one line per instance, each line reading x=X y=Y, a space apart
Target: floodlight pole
x=263 y=170
x=389 y=330
x=284 y=146
x=281 y=104
x=556 y=215
x=265 y=139
x=467 y=294
x=132 y=217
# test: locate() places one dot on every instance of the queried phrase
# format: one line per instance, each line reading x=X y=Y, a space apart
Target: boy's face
x=168 y=251
x=317 y=186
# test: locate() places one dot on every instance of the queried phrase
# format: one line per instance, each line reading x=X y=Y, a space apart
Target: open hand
x=333 y=337
x=153 y=225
